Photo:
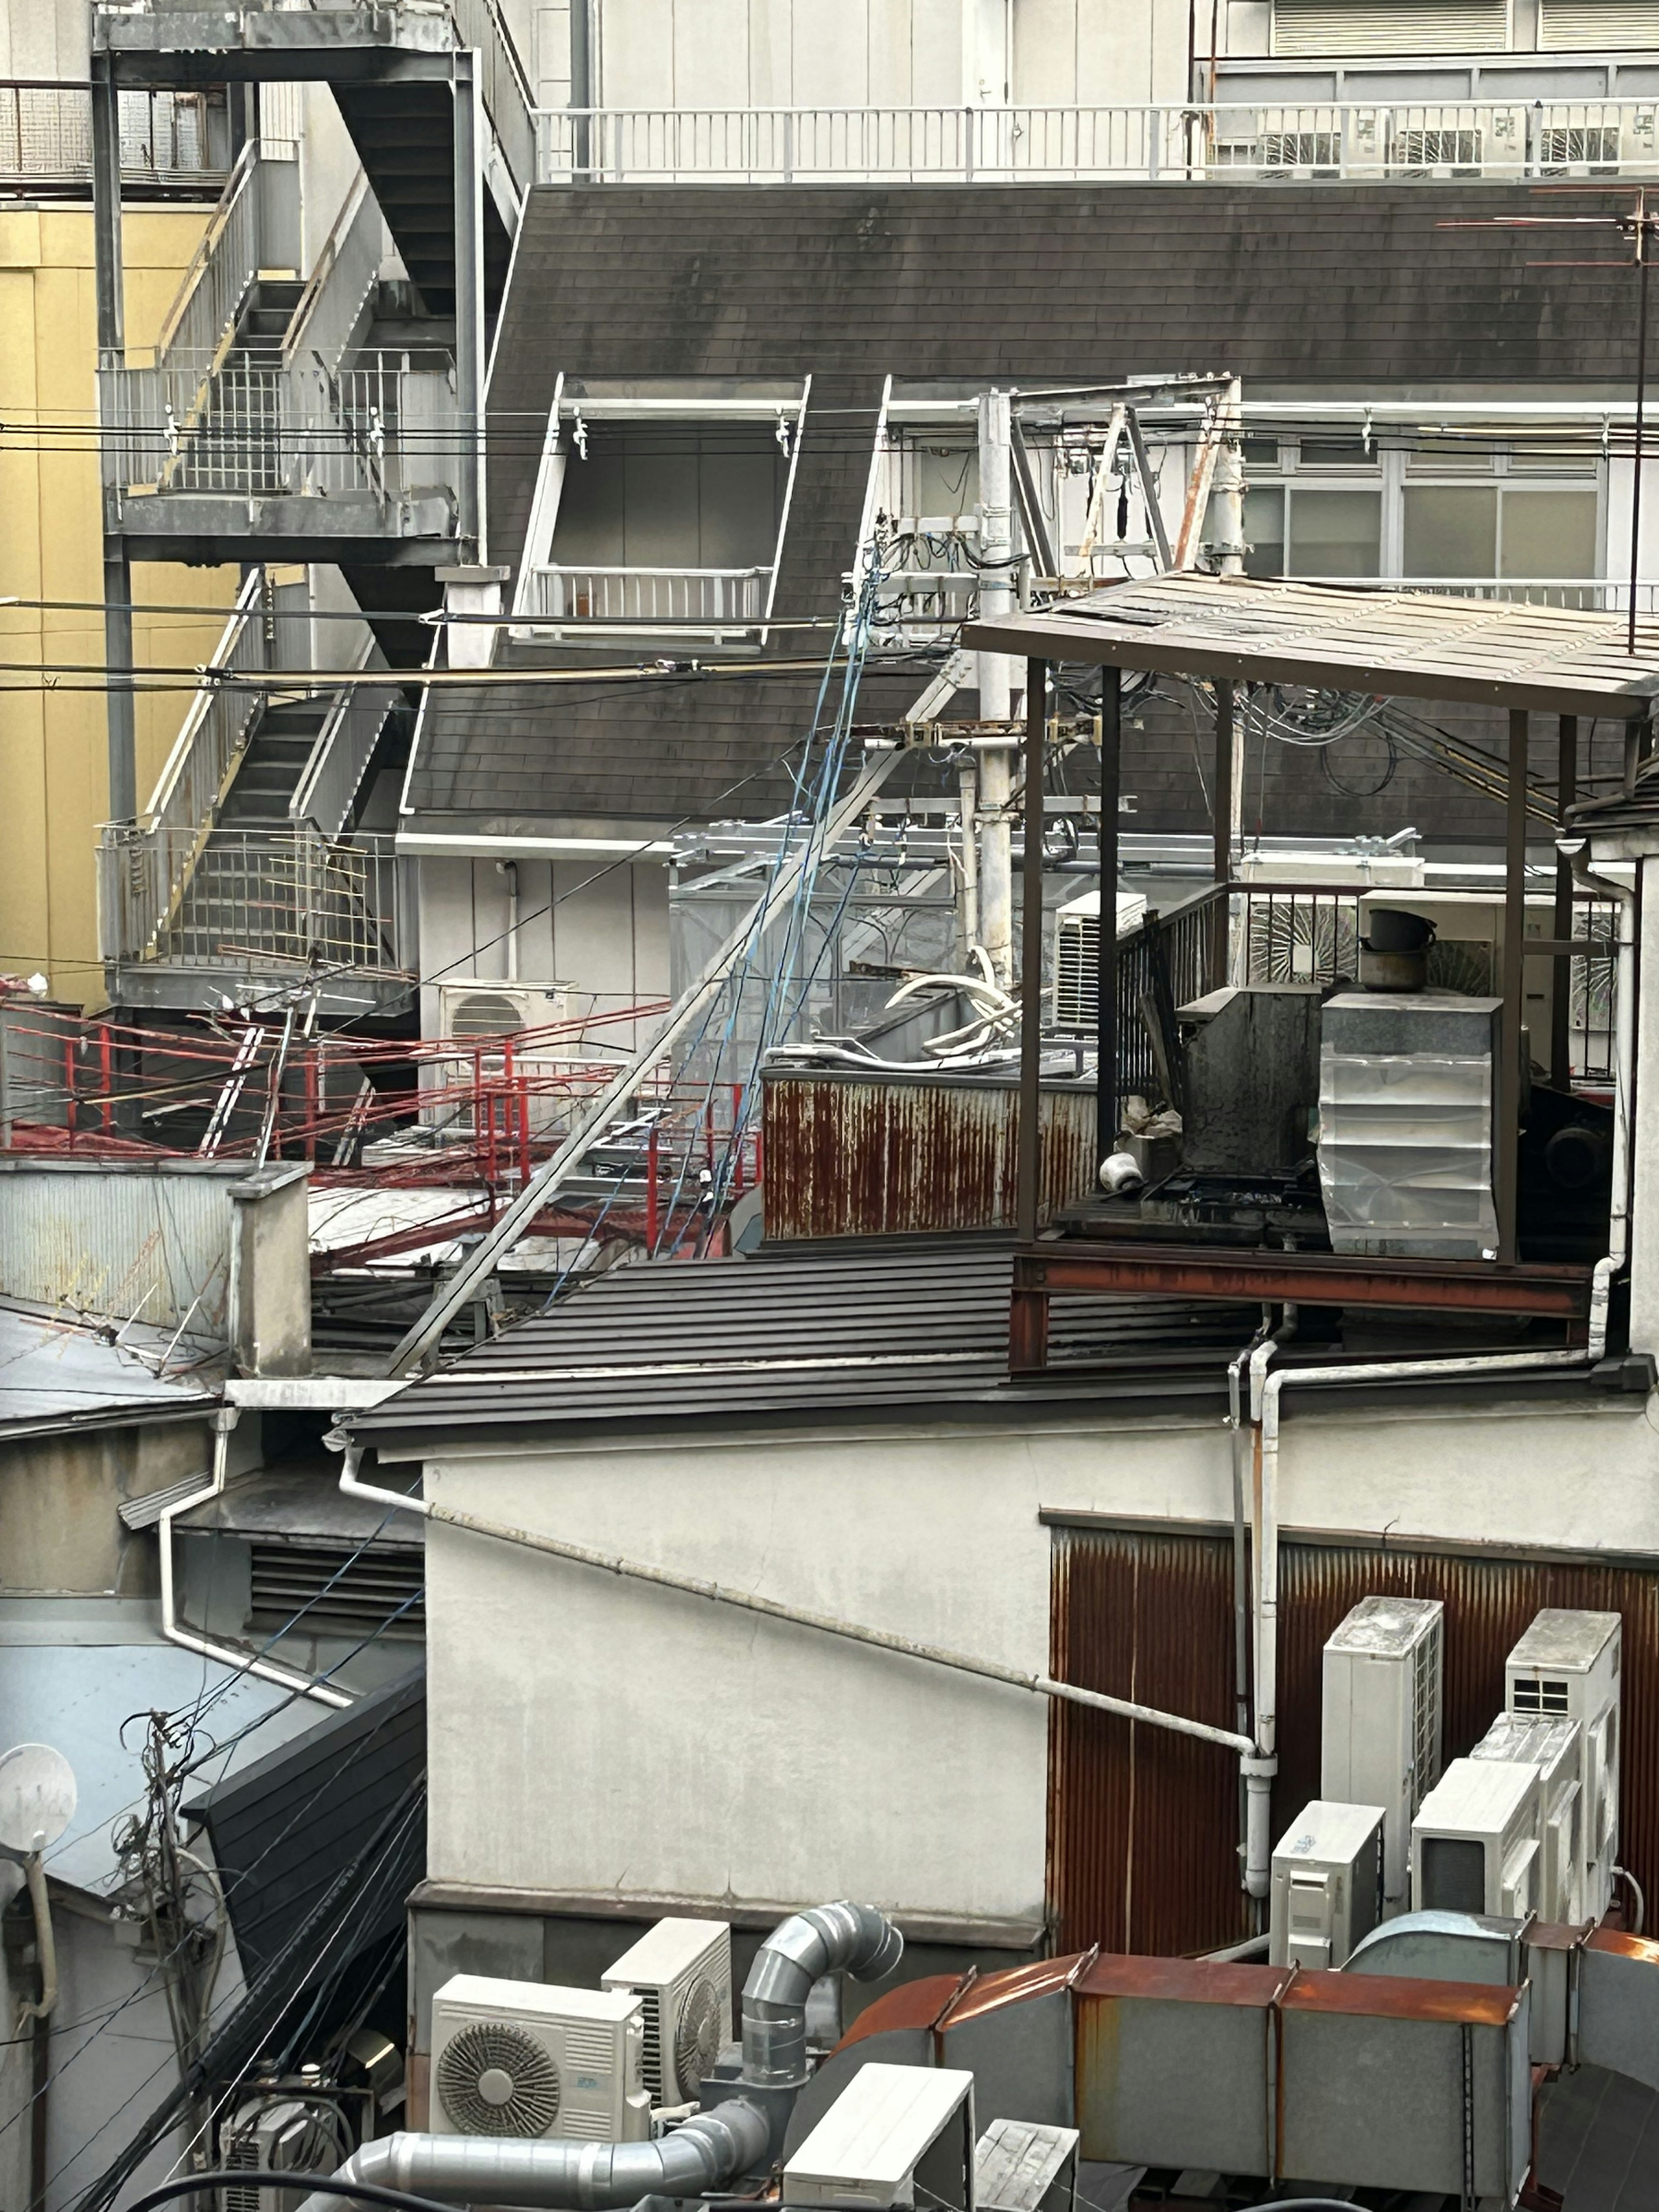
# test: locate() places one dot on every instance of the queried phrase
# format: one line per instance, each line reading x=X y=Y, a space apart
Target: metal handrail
x=508 y=101
x=334 y=769
x=211 y=738
x=218 y=274
x=1236 y=141
x=348 y=270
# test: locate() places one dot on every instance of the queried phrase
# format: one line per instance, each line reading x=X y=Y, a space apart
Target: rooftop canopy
x=1498 y=652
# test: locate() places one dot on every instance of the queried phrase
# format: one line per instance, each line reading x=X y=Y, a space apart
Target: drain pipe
x=224 y=1420
x=1258 y=1767
x=1624 y=1075
x=712 y=2148
x=612 y=1563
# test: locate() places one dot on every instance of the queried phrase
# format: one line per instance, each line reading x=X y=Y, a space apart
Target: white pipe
x=1624 y=1061
x=510 y=870
x=224 y=1420
x=1043 y=1685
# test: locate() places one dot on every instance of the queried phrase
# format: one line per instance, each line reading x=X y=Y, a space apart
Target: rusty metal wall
x=1143 y=1826
x=119 y=1240
x=864 y=1156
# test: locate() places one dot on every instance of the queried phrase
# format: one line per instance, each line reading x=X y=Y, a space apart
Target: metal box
x=1475 y=1843
x=1566 y=1666
x=682 y=1973
x=1327 y=1885
x=895 y=2135
x=1379 y=1726
x=1554 y=1746
x=1252 y=1078
x=530 y=2059
x=1405 y=1123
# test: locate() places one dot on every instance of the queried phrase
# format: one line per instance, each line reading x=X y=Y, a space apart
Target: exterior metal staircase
x=273 y=761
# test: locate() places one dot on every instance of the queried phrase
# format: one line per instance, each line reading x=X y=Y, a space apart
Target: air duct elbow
x=853 y=1939
x=711 y=2149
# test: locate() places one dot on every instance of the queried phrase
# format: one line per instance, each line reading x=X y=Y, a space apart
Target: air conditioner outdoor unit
x=1555 y=1748
x=524 y=2059
x=1566 y=1666
x=897 y=2136
x=280 y=2135
x=682 y=1973
x=479 y=1007
x=1077 y=954
x=496 y=1027
x=1475 y=1843
x=1326 y=1891
x=1380 y=1722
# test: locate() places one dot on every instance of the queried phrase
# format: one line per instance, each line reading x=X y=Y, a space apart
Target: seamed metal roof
x=1499 y=652
x=876 y=1325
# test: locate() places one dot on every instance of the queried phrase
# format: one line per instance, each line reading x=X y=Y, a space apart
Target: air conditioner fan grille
x=494 y=2079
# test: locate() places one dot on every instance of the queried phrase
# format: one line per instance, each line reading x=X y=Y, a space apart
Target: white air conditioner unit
x=498 y=1028
x=682 y=1973
x=1326 y=1891
x=1555 y=1748
x=897 y=2136
x=1076 y=955
x=1380 y=1721
x=1475 y=1842
x=480 y=1008
x=1566 y=1666
x=527 y=2059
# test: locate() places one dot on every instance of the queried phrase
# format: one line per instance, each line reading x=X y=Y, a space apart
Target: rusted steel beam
x=1308 y=1277
x=1028 y=1331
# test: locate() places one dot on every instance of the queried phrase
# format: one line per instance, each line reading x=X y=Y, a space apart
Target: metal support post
x=581 y=90
x=1111 y=731
x=112 y=348
x=1224 y=802
x=469 y=300
x=1566 y=790
x=996 y=600
x=1226 y=515
x=1507 y=1150
x=968 y=776
x=1031 y=960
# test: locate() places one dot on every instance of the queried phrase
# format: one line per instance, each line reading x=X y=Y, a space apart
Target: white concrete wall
x=592 y=1735
x=879 y=53
x=599 y=929
x=46 y=39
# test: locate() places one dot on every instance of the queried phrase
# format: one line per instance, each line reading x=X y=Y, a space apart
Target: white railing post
x=789 y=146
x=968 y=145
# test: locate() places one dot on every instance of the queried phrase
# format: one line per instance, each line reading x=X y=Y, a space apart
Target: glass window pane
x=1264 y=531
x=1549 y=533
x=1451 y=532
x=1335 y=533
x=1339 y=449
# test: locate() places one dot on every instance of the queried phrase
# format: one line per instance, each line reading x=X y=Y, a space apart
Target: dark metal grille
x=334 y=1585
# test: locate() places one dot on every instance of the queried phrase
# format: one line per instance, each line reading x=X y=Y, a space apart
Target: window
x=1335 y=533
x=652 y=495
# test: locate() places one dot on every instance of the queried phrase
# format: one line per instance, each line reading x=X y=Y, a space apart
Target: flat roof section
x=1498 y=653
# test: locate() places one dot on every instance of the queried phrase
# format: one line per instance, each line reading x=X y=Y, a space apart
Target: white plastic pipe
x=612 y=1563
x=34 y=1873
x=224 y=1420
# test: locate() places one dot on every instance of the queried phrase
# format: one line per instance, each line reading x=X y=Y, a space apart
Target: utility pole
x=996 y=762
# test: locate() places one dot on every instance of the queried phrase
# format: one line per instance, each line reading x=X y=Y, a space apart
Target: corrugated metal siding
x=119 y=1242
x=851 y=1157
x=1143 y=1833
x=1143 y=1824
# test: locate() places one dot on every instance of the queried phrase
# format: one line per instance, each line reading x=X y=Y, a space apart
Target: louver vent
x=1407 y=26
x=328 y=1586
x=1531 y=1696
x=1589 y=25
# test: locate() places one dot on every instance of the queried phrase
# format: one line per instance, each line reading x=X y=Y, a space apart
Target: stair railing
x=333 y=773
x=221 y=272
x=508 y=99
x=330 y=313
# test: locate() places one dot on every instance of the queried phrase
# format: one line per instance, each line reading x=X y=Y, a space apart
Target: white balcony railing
x=717 y=599
x=1231 y=143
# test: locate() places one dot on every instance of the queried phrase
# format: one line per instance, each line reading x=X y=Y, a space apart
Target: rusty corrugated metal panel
x=1143 y=1826
x=1143 y=1835
x=870 y=1156
x=119 y=1240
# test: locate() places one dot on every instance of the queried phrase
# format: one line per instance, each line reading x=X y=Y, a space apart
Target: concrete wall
x=60 y=1498
x=52 y=744
x=599 y=929
x=590 y=1736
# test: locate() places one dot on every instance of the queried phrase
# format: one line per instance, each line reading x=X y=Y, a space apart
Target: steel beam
x=468 y=301
x=1030 y=958
x=1506 y=1148
x=1566 y=790
x=1324 y=1279
x=112 y=352
x=1111 y=734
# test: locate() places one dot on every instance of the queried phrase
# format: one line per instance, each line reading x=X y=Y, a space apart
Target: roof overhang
x=1495 y=653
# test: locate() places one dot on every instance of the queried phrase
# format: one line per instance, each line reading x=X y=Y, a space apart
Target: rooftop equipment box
x=1380 y=1724
x=1405 y=1123
x=1475 y=1843
x=527 y=2058
x=1327 y=1885
x=1566 y=1666
x=1553 y=1748
x=895 y=2135
x=682 y=1972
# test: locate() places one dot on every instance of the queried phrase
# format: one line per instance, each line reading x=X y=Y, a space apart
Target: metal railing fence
x=45 y=137
x=1234 y=143
x=220 y=273
x=508 y=99
x=333 y=773
x=651 y=595
x=332 y=309
x=214 y=730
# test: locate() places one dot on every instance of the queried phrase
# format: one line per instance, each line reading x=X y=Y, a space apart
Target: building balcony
x=713 y=603
x=173 y=144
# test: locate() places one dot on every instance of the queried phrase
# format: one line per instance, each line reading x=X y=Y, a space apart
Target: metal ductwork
x=708 y=2152
x=853 y=1939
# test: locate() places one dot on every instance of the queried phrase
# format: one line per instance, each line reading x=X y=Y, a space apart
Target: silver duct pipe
x=712 y=2148
x=854 y=1939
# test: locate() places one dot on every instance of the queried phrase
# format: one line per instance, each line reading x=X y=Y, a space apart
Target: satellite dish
x=37 y=1796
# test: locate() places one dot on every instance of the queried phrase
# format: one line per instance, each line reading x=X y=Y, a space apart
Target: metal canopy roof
x=1499 y=652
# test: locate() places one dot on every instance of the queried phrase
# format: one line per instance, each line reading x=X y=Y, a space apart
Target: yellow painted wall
x=54 y=785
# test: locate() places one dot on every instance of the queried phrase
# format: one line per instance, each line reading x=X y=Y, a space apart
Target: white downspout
x=1624 y=1071
x=224 y=1420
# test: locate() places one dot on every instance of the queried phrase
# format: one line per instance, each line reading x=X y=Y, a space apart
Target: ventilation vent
x=591 y=2049
x=1533 y=1696
x=334 y=1585
x=1077 y=969
x=241 y=2196
x=1436 y=149
x=1574 y=25
x=494 y=2079
x=1409 y=27
x=1595 y=147
x=650 y=2061
x=485 y=1014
